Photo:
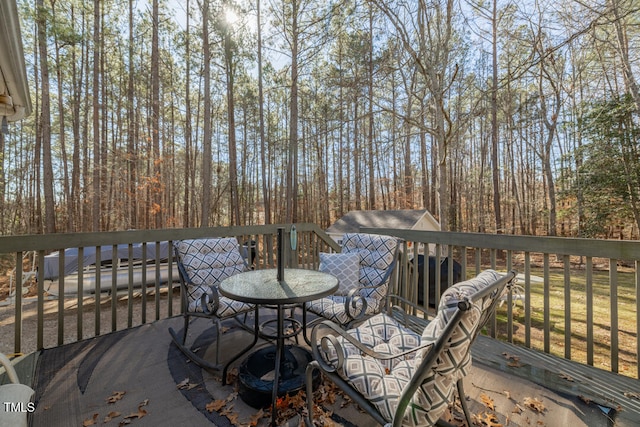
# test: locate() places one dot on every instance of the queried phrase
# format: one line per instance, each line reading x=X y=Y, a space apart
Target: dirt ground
x=55 y=334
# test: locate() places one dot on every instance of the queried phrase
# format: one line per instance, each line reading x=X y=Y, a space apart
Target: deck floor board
x=72 y=383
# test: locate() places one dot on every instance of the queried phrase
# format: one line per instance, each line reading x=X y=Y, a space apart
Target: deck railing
x=151 y=298
x=578 y=300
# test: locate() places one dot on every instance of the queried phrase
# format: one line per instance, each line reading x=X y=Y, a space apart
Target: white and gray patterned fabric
x=345 y=267
x=382 y=382
x=377 y=258
x=207 y=262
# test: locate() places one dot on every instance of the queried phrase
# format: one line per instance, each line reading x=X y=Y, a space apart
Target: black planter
x=256 y=387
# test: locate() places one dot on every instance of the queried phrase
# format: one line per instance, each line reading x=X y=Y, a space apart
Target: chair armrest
x=330 y=340
x=397 y=303
x=8 y=367
x=351 y=302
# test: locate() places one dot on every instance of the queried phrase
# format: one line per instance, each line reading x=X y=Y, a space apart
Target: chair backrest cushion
x=207 y=262
x=454 y=361
x=377 y=259
x=345 y=267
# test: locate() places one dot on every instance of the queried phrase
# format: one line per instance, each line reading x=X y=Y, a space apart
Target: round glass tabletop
x=262 y=286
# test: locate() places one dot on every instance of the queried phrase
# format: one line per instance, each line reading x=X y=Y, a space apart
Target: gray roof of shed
x=354 y=220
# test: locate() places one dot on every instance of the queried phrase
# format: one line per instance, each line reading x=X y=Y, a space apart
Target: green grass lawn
x=601 y=306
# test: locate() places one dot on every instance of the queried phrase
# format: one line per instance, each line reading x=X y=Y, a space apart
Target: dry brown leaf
x=137 y=415
x=90 y=421
x=488 y=402
x=231 y=415
x=517 y=409
x=491 y=420
x=513 y=361
x=507 y=393
x=565 y=377
x=585 y=399
x=232 y=375
x=215 y=405
x=255 y=418
x=115 y=396
x=632 y=395
x=184 y=384
x=111 y=415
x=534 y=404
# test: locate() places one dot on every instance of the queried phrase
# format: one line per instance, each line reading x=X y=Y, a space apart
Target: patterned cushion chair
x=364 y=284
x=398 y=376
x=203 y=264
x=15 y=393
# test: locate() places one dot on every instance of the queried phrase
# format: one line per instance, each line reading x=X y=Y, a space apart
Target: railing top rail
x=34 y=242
x=614 y=249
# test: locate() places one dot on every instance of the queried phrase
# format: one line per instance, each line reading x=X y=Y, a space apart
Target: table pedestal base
x=257 y=372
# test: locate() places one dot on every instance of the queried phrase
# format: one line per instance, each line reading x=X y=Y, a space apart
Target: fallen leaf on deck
x=491 y=420
x=488 y=402
x=631 y=395
x=513 y=361
x=137 y=415
x=90 y=421
x=186 y=385
x=517 y=409
x=507 y=393
x=232 y=416
x=256 y=417
x=215 y=405
x=115 y=396
x=565 y=377
x=232 y=375
x=534 y=404
x=111 y=415
x=585 y=399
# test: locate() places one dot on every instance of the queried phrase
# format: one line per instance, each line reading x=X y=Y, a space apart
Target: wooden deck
x=139 y=376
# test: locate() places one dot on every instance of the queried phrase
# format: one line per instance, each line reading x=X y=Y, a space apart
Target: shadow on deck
x=138 y=376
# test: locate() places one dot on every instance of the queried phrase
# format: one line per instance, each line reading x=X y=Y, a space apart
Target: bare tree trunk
x=186 y=209
x=266 y=196
x=231 y=121
x=156 y=189
x=292 y=156
x=371 y=151
x=96 y=196
x=623 y=50
x=494 y=121
x=132 y=158
x=44 y=127
x=206 y=146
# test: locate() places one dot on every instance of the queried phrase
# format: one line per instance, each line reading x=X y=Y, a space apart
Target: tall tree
x=97 y=136
x=206 y=137
x=44 y=121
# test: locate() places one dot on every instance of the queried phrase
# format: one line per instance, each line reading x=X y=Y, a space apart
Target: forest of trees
x=497 y=116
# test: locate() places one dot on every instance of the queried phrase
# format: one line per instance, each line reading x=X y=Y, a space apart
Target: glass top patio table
x=262 y=286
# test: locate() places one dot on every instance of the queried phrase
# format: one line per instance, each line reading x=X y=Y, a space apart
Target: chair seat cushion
x=382 y=381
x=333 y=308
x=382 y=334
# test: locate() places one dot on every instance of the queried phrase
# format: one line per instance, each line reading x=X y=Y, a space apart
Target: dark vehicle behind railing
x=578 y=298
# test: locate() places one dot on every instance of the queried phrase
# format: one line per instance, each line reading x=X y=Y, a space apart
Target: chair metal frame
x=321 y=343
x=190 y=316
x=355 y=303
